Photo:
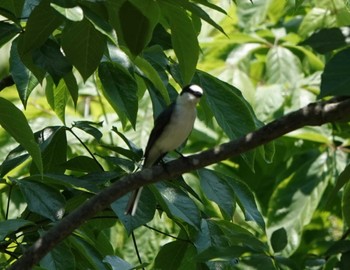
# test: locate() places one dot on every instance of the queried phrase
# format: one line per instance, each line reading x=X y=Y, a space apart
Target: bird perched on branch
x=171 y=129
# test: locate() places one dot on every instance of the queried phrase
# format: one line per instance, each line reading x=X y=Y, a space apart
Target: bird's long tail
x=133 y=202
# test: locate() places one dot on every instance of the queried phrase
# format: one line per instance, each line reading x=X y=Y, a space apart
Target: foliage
x=88 y=77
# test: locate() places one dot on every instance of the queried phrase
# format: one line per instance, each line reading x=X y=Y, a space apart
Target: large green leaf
x=41 y=23
x=346 y=203
x=231 y=110
x=295 y=199
x=22 y=76
x=178 y=255
x=177 y=204
x=218 y=191
x=120 y=89
x=13 y=6
x=83 y=46
x=137 y=33
x=42 y=199
x=50 y=58
x=12 y=225
x=15 y=123
x=184 y=39
x=245 y=199
x=7 y=32
x=336 y=76
x=144 y=213
x=57 y=97
x=60 y=258
x=54 y=150
x=282 y=67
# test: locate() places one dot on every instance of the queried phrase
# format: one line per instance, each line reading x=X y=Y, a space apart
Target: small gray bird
x=171 y=129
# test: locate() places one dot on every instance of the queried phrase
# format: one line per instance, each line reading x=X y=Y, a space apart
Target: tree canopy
x=265 y=184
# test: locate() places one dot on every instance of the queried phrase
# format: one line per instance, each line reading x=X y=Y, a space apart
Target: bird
x=171 y=129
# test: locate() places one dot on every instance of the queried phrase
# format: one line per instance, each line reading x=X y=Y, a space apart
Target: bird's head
x=191 y=93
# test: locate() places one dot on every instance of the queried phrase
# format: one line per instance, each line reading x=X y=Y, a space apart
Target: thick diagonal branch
x=314 y=114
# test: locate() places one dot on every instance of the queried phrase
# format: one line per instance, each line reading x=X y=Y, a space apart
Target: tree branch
x=314 y=114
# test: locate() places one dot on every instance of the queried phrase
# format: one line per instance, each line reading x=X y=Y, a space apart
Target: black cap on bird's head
x=193 y=89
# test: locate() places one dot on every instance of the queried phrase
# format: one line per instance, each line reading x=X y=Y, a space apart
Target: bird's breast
x=178 y=129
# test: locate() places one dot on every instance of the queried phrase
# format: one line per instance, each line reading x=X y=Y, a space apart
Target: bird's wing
x=161 y=121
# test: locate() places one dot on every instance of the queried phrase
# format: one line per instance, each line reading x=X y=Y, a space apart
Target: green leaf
x=343 y=179
x=50 y=58
x=59 y=258
x=229 y=108
x=296 y=198
x=14 y=158
x=279 y=239
x=15 y=123
x=57 y=97
x=120 y=89
x=246 y=201
x=90 y=258
x=89 y=128
x=198 y=11
x=101 y=25
x=177 y=204
x=13 y=225
x=7 y=32
x=82 y=164
x=177 y=255
x=41 y=23
x=150 y=73
x=217 y=190
x=136 y=34
x=54 y=152
x=72 y=86
x=184 y=39
x=346 y=203
x=282 y=67
x=117 y=263
x=341 y=246
x=42 y=199
x=73 y=14
x=129 y=143
x=144 y=213
x=24 y=79
x=236 y=235
x=336 y=75
x=83 y=46
x=13 y=6
x=326 y=40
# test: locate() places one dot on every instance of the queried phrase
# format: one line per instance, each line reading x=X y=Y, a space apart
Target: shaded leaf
x=217 y=190
x=57 y=97
x=9 y=226
x=120 y=89
x=42 y=199
x=136 y=34
x=15 y=123
x=117 y=263
x=89 y=127
x=144 y=213
x=175 y=256
x=335 y=78
x=177 y=204
x=39 y=27
x=59 y=258
x=326 y=40
x=83 y=46
x=50 y=58
x=295 y=199
x=184 y=39
x=22 y=76
x=279 y=239
x=7 y=32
